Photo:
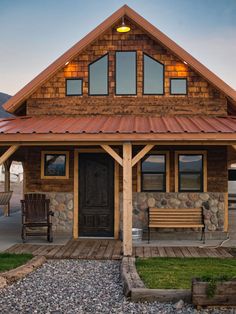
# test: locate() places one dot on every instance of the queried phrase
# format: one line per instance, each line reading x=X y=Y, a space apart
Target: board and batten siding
x=217 y=173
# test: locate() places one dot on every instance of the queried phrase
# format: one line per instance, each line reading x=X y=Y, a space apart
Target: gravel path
x=71 y=286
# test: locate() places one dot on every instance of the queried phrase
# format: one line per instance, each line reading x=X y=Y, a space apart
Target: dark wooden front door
x=96 y=195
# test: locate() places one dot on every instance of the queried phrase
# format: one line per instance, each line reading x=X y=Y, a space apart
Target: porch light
x=67 y=63
x=123 y=28
x=185 y=63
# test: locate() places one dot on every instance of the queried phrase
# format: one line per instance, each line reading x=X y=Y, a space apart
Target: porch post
x=127 y=199
x=7 y=165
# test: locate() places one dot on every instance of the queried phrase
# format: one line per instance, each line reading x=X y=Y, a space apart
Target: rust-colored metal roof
x=105 y=124
x=15 y=102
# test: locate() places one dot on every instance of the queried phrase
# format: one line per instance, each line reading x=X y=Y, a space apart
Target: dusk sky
x=34 y=33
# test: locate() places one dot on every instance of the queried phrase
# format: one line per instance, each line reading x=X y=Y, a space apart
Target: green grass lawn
x=9 y=261
x=176 y=273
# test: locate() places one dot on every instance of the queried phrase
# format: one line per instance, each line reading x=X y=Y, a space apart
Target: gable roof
x=15 y=102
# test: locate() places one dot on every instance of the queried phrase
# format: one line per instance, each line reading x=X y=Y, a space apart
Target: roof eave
x=162 y=138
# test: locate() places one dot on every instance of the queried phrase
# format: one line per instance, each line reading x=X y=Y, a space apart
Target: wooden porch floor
x=112 y=249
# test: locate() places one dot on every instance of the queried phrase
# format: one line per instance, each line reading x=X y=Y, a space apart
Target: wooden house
x=119 y=123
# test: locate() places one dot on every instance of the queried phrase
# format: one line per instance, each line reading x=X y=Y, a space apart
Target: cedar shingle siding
x=202 y=98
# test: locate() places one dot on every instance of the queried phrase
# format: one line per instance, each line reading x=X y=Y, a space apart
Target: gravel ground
x=71 y=286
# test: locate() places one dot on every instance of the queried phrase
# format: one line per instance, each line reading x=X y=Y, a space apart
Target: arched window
x=98 y=76
x=153 y=76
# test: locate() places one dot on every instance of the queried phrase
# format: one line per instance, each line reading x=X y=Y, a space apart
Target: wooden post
x=7 y=165
x=127 y=199
x=226 y=218
x=76 y=196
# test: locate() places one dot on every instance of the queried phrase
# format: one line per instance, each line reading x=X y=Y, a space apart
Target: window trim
x=179 y=78
x=204 y=169
x=89 y=94
x=43 y=153
x=71 y=79
x=161 y=94
x=167 y=171
x=136 y=72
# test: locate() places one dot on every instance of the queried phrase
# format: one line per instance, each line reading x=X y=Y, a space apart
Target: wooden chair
x=5 y=199
x=36 y=214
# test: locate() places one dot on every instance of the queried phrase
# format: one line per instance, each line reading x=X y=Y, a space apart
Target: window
x=153 y=76
x=98 y=77
x=190 y=177
x=126 y=80
x=153 y=170
x=74 y=87
x=178 y=86
x=54 y=165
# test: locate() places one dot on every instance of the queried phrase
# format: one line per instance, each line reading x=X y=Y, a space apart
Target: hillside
x=3 y=99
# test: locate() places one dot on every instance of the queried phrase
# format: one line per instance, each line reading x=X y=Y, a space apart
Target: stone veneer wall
x=62 y=204
x=213 y=204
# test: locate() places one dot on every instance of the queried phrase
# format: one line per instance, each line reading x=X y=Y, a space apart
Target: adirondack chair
x=36 y=214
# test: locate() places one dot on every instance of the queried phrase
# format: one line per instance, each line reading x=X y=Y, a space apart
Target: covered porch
x=126 y=141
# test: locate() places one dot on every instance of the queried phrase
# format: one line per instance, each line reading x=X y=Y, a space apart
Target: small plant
x=212 y=283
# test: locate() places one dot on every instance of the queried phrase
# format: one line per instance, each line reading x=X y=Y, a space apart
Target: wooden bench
x=232 y=201
x=176 y=218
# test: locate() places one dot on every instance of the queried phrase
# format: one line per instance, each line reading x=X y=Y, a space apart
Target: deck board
x=112 y=249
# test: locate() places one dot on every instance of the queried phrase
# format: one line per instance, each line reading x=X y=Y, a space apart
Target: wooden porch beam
x=11 y=150
x=112 y=153
x=127 y=199
x=142 y=153
x=7 y=184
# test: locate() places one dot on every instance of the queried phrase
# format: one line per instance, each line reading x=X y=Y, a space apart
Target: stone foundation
x=62 y=204
x=213 y=204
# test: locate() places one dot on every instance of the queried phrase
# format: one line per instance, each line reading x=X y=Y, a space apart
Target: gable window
x=190 y=172
x=74 y=87
x=153 y=76
x=98 y=76
x=178 y=86
x=126 y=76
x=154 y=173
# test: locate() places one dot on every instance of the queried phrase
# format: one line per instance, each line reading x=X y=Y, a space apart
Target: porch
x=122 y=159
x=112 y=250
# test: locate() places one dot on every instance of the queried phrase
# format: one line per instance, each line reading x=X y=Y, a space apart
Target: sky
x=34 y=33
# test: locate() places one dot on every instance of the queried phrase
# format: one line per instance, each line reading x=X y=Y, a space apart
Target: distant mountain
x=3 y=99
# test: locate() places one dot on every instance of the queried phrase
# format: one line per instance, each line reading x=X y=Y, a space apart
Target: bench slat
x=175 y=226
